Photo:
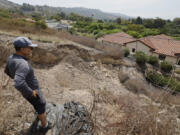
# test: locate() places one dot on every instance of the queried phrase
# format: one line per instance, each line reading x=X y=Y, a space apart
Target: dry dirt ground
x=115 y=107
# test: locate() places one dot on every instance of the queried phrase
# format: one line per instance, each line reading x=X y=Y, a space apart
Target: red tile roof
x=118 y=38
x=162 y=44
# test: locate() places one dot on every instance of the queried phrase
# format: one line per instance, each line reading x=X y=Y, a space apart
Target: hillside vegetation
x=135 y=27
x=113 y=89
x=15 y=21
x=117 y=95
x=48 y=10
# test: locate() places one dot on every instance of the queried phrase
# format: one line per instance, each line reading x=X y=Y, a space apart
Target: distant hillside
x=8 y=5
x=95 y=13
x=47 y=10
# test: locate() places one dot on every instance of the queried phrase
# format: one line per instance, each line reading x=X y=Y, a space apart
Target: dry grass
x=123 y=115
x=53 y=36
x=16 y=114
x=136 y=86
x=112 y=114
x=5 y=51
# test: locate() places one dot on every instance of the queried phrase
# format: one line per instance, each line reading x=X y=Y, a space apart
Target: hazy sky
x=167 y=9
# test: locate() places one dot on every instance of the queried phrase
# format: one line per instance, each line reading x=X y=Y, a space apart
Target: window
x=179 y=62
x=162 y=57
x=133 y=50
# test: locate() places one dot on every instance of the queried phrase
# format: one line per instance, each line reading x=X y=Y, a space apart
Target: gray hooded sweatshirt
x=19 y=69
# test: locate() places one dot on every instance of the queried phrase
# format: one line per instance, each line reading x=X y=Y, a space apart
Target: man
x=19 y=69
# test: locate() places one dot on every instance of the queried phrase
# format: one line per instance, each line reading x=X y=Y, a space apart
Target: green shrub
x=148 y=32
x=174 y=84
x=153 y=60
x=134 y=34
x=41 y=24
x=100 y=34
x=72 y=30
x=126 y=52
x=157 y=79
x=141 y=58
x=166 y=67
x=162 y=81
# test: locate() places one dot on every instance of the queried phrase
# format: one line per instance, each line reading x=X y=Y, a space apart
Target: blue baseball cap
x=23 y=42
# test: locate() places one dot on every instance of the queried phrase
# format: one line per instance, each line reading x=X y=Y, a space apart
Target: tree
x=118 y=20
x=139 y=20
x=135 y=27
x=57 y=17
x=63 y=15
x=27 y=7
x=37 y=16
x=88 y=19
x=100 y=21
x=177 y=21
x=159 y=23
x=74 y=17
x=148 y=23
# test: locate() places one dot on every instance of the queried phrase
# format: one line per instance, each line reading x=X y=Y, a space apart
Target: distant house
x=162 y=46
x=62 y=27
x=57 y=25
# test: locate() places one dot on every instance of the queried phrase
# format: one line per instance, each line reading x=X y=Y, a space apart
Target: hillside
x=113 y=90
x=97 y=14
x=8 y=5
x=77 y=69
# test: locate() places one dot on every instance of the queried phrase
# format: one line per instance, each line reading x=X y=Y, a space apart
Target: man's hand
x=35 y=93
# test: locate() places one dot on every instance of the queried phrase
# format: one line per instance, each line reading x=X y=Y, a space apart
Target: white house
x=162 y=46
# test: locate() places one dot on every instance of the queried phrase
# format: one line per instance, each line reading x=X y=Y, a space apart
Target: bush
x=134 y=34
x=174 y=84
x=126 y=52
x=72 y=30
x=141 y=58
x=153 y=60
x=166 y=67
x=136 y=86
x=162 y=81
x=157 y=79
x=41 y=24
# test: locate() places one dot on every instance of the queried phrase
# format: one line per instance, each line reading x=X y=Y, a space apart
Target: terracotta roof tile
x=163 y=44
x=118 y=38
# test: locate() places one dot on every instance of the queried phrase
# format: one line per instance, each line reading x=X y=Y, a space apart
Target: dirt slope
x=71 y=71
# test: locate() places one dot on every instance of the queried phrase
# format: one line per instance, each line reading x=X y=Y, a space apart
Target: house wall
x=169 y=59
x=172 y=60
x=138 y=46
x=141 y=47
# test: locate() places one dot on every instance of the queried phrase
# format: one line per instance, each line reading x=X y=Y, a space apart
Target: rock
x=72 y=118
x=123 y=77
